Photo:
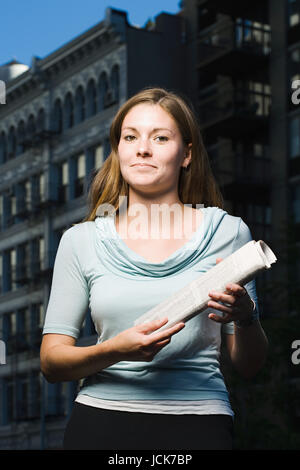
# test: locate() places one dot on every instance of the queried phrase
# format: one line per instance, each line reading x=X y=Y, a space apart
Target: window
x=115 y=84
x=260 y=98
x=295 y=137
x=42 y=254
x=11 y=207
x=91 y=99
x=13 y=268
x=12 y=143
x=254 y=36
x=22 y=200
x=57 y=118
x=23 y=329
x=79 y=105
x=37 y=320
x=1 y=211
x=293 y=12
x=22 y=274
x=21 y=135
x=1 y=273
x=294 y=75
x=8 y=401
x=68 y=112
x=9 y=327
x=41 y=187
x=103 y=89
x=37 y=256
x=80 y=175
x=31 y=129
x=36 y=191
x=41 y=121
x=3 y=148
x=98 y=157
x=63 y=182
x=296 y=204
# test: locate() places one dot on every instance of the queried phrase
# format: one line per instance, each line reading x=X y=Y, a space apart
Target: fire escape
x=234 y=99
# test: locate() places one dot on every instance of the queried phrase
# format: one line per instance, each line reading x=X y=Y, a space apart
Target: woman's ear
x=188 y=156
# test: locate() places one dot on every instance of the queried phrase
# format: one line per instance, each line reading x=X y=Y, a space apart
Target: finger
x=236 y=289
x=161 y=336
x=221 y=307
x=218 y=260
x=153 y=325
x=221 y=297
x=219 y=318
x=161 y=344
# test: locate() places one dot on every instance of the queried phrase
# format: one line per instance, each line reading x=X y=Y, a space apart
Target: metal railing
x=236 y=166
x=228 y=35
x=220 y=101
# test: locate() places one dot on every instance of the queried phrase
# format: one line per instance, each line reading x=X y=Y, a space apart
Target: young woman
x=145 y=388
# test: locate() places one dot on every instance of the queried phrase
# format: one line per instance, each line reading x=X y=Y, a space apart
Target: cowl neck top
x=122 y=260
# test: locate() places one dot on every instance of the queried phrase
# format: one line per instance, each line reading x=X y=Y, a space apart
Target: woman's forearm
x=249 y=349
x=67 y=362
x=62 y=361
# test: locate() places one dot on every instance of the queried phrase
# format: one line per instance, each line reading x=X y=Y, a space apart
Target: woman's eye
x=129 y=138
x=162 y=138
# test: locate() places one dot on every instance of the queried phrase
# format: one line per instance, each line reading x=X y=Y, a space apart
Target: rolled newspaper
x=239 y=268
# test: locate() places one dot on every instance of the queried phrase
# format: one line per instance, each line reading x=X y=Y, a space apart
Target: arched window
x=41 y=120
x=68 y=111
x=12 y=143
x=57 y=116
x=79 y=105
x=3 y=147
x=103 y=88
x=91 y=99
x=31 y=128
x=115 y=84
x=21 y=136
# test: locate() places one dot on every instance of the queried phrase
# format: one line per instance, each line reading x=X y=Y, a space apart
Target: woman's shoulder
x=78 y=232
x=219 y=214
x=227 y=224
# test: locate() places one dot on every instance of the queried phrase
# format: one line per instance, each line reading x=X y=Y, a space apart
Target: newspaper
x=239 y=268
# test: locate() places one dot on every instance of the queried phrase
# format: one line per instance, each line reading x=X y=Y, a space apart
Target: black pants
x=99 y=429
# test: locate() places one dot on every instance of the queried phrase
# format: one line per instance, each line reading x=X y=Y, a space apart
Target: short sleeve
x=69 y=296
x=242 y=237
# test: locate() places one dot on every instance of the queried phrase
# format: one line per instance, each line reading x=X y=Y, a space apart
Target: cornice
x=38 y=78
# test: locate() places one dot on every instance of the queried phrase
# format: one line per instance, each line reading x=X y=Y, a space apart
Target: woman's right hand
x=137 y=344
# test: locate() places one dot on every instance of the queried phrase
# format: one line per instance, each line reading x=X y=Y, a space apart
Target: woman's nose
x=144 y=147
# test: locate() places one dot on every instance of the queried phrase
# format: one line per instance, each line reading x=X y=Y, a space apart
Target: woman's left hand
x=240 y=305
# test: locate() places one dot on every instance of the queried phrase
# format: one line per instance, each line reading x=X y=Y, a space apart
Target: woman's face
x=150 y=136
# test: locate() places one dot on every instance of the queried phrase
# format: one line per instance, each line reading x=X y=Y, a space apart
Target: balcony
x=233 y=111
x=234 y=47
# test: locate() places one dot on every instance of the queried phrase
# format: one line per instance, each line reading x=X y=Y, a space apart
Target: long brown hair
x=196 y=184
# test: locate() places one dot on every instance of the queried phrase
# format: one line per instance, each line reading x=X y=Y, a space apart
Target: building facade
x=54 y=131
x=244 y=66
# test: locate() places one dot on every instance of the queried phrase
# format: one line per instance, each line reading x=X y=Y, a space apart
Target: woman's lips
x=141 y=165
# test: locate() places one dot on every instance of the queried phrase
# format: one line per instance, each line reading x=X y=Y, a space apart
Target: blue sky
x=35 y=27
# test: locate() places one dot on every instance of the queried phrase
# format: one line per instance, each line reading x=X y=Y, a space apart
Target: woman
x=145 y=388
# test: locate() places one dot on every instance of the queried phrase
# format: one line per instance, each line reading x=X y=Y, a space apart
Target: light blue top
x=94 y=268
